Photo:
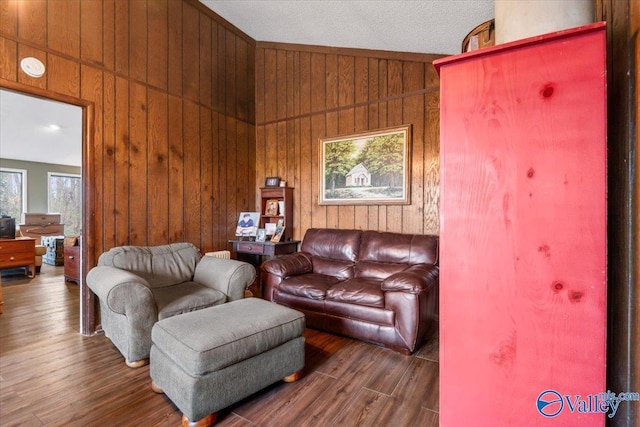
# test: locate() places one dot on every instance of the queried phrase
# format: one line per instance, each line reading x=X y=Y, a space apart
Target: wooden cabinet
x=18 y=253
x=72 y=263
x=283 y=198
x=523 y=243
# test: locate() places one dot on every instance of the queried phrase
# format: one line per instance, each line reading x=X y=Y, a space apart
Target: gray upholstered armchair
x=137 y=286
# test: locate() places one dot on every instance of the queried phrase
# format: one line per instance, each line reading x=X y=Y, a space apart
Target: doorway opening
x=48 y=134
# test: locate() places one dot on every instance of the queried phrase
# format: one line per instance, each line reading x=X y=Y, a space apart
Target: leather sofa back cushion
x=378 y=270
x=160 y=266
x=329 y=267
x=398 y=248
x=339 y=245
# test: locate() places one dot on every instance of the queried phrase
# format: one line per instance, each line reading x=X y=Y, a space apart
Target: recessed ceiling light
x=53 y=127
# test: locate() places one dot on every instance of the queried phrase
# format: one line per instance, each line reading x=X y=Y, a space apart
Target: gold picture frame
x=277 y=235
x=368 y=168
x=271 y=207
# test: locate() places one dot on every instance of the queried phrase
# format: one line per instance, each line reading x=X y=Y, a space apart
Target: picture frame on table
x=277 y=235
x=270 y=228
x=261 y=235
x=247 y=225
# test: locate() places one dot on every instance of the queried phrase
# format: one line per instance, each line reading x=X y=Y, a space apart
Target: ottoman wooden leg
x=207 y=421
x=293 y=377
x=137 y=364
x=155 y=388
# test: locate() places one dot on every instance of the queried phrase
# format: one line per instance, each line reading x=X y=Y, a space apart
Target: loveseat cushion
x=311 y=285
x=185 y=297
x=357 y=291
x=160 y=266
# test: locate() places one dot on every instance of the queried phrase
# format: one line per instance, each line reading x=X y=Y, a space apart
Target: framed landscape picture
x=369 y=168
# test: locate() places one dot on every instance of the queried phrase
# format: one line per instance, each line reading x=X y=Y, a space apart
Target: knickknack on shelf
x=275 y=219
x=276 y=205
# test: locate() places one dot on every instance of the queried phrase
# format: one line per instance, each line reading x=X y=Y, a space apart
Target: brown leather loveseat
x=374 y=286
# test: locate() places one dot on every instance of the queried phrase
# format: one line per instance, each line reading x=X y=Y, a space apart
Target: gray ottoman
x=209 y=359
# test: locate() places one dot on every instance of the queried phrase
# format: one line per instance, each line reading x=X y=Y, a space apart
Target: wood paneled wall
x=304 y=93
x=171 y=89
x=167 y=88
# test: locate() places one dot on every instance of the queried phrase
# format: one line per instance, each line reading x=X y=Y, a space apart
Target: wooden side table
x=19 y=253
x=267 y=249
x=252 y=252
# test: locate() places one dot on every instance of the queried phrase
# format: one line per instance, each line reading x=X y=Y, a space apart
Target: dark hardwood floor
x=50 y=375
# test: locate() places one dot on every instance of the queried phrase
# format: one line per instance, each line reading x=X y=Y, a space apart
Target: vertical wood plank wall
x=304 y=93
x=171 y=86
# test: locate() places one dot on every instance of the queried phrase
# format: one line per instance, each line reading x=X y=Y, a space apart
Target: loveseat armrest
x=289 y=265
x=414 y=280
x=122 y=291
x=229 y=276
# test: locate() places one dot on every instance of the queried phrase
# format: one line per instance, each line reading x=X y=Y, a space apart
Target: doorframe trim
x=87 y=255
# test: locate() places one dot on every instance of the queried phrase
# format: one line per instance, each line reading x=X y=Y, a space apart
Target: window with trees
x=13 y=190
x=65 y=198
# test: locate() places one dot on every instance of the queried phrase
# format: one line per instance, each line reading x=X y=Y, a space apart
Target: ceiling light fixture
x=32 y=66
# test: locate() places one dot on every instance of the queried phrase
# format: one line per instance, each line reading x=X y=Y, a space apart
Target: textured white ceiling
x=25 y=132
x=422 y=26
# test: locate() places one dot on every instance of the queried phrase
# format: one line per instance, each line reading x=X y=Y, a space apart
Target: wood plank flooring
x=50 y=375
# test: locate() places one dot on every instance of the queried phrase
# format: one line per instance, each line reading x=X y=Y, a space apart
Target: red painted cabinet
x=523 y=232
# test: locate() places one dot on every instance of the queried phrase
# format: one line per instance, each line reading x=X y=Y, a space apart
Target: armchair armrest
x=231 y=277
x=288 y=265
x=414 y=280
x=122 y=291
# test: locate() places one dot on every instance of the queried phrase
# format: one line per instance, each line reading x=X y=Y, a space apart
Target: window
x=65 y=198
x=13 y=190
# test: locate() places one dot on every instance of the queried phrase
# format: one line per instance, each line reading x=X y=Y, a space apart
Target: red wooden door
x=523 y=232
